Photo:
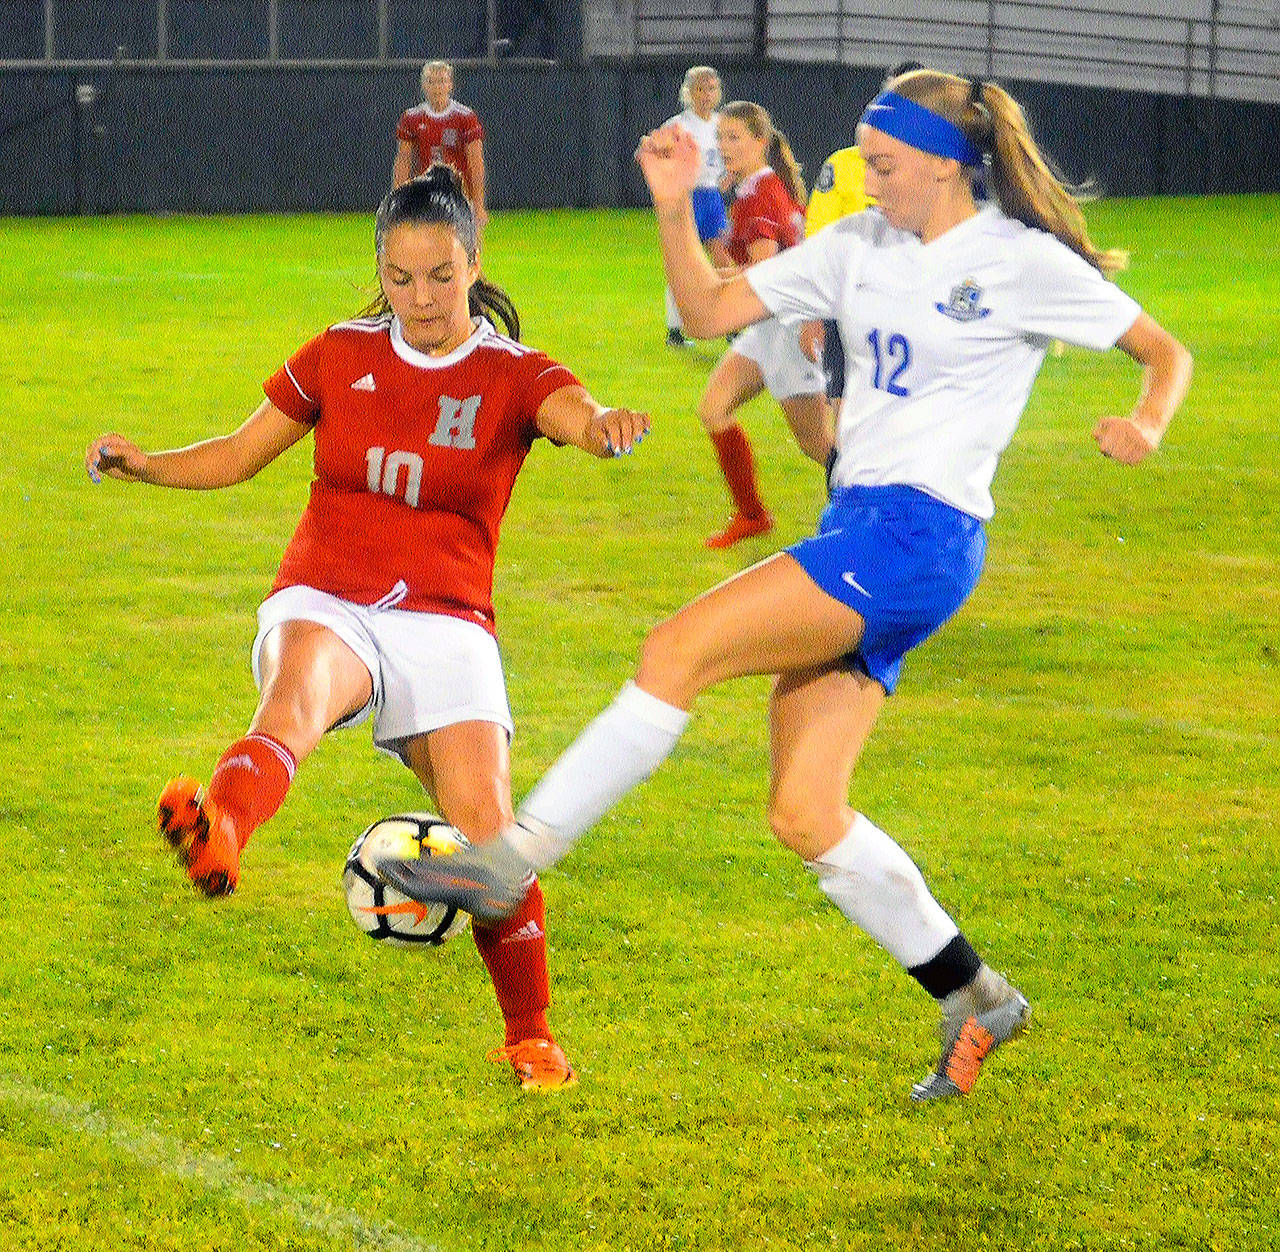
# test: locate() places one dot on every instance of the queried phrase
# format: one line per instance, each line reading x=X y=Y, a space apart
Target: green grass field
x=1086 y=764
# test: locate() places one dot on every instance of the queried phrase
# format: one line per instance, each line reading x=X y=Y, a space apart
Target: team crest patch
x=965 y=303
x=826 y=177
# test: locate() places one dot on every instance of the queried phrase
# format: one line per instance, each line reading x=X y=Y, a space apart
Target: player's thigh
x=733 y=382
x=770 y=618
x=466 y=767
x=311 y=680
x=810 y=420
x=819 y=722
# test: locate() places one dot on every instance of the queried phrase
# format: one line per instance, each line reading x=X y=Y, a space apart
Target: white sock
x=621 y=748
x=877 y=886
x=673 y=313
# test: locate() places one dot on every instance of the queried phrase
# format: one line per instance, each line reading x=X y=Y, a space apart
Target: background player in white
x=701 y=93
x=946 y=310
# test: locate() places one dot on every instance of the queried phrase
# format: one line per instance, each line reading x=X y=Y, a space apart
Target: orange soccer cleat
x=540 y=1064
x=203 y=839
x=739 y=528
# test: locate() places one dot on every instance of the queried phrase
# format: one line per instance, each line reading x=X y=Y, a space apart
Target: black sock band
x=954 y=967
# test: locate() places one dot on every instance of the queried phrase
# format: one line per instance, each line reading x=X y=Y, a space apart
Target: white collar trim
x=421 y=360
x=752 y=181
x=452 y=107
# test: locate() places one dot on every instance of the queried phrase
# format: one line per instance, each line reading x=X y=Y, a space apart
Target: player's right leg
x=735 y=380
x=311 y=680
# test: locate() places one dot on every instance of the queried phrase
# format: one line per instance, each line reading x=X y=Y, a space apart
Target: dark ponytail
x=437 y=196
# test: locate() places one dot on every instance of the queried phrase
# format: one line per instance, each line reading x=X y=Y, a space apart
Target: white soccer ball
x=384 y=913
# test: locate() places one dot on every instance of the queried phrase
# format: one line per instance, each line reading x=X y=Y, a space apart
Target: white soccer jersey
x=704 y=134
x=942 y=340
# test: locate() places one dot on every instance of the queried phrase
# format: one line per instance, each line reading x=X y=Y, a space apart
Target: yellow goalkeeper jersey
x=841 y=189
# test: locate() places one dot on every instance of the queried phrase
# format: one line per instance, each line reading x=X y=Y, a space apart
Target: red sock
x=733 y=449
x=251 y=780
x=515 y=953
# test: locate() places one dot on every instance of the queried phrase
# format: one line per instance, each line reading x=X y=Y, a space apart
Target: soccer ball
x=384 y=913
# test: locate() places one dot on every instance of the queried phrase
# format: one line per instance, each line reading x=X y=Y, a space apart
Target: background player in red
x=423 y=414
x=442 y=129
x=766 y=215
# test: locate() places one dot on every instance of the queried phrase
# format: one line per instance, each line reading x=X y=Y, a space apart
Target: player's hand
x=1124 y=440
x=813 y=338
x=115 y=456
x=619 y=430
x=670 y=161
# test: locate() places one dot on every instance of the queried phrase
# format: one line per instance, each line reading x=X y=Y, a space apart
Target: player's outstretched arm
x=220 y=462
x=570 y=415
x=709 y=305
x=1166 y=375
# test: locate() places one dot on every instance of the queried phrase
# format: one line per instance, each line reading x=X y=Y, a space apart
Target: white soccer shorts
x=775 y=348
x=429 y=669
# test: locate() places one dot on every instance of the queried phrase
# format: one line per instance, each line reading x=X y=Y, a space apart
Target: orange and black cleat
x=203 y=839
x=539 y=1064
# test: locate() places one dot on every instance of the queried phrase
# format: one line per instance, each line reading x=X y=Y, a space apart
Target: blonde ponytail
x=1020 y=176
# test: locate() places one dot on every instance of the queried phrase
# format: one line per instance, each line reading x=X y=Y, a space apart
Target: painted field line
x=173 y=1158
x=1172 y=725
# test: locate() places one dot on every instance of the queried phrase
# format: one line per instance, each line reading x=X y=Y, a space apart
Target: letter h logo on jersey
x=964 y=305
x=457 y=425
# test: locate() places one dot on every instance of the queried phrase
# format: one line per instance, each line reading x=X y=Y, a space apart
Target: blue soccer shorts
x=903 y=560
x=708 y=213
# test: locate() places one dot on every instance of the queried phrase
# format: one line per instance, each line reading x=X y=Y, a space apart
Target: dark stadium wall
x=153 y=138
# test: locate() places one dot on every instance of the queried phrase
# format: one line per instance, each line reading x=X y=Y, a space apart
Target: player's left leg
x=675 y=327
x=770 y=618
x=466 y=767
x=811 y=422
x=819 y=721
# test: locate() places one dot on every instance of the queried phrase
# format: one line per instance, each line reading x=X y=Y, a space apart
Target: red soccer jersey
x=415 y=459
x=762 y=208
x=441 y=136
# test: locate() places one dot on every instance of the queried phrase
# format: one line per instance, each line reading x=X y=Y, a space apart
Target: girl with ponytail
x=946 y=304
x=382 y=609
x=766 y=216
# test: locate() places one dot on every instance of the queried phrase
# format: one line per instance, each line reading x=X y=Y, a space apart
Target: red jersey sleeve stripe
x=297 y=384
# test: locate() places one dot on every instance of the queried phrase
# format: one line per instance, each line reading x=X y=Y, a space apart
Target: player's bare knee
x=480 y=815
x=291 y=712
x=800 y=825
x=713 y=415
x=671 y=662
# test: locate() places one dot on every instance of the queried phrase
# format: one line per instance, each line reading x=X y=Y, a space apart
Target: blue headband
x=920 y=127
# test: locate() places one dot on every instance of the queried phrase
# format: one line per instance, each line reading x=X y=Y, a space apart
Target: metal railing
x=1195 y=47
x=264 y=30
x=1227 y=48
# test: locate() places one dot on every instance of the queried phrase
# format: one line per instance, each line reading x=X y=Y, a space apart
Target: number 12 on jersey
x=891 y=362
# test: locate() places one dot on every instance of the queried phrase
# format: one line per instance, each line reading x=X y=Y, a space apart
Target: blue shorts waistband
x=895 y=494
